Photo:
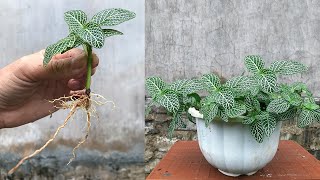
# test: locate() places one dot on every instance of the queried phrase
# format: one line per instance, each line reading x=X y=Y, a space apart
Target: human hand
x=26 y=85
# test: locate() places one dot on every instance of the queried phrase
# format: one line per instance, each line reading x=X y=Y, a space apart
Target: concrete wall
x=190 y=38
x=28 y=26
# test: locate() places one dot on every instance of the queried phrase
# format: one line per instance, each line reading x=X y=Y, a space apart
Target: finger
x=61 y=66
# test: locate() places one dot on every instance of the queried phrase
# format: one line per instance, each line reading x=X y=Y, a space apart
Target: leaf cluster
x=256 y=99
x=90 y=33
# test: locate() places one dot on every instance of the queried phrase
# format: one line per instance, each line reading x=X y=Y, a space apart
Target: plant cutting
x=89 y=34
x=239 y=120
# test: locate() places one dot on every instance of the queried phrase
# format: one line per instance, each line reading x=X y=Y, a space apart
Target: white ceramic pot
x=231 y=148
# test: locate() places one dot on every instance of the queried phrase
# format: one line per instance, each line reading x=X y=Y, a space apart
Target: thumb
x=71 y=64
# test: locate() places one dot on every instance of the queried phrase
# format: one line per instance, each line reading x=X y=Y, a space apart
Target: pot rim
x=195 y=113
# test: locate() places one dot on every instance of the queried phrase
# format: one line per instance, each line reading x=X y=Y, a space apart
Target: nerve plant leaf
x=75 y=19
x=237 y=110
x=111 y=32
x=59 y=47
x=155 y=85
x=267 y=81
x=254 y=63
x=210 y=82
x=93 y=35
x=111 y=17
x=279 y=105
x=257 y=131
x=287 y=67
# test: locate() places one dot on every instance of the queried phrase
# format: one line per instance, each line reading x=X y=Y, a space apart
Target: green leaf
x=176 y=122
x=267 y=81
x=223 y=115
x=185 y=87
x=112 y=17
x=237 y=110
x=248 y=120
x=269 y=125
x=111 y=32
x=241 y=84
x=305 y=118
x=279 y=105
x=57 y=48
x=209 y=112
x=169 y=101
x=224 y=98
x=287 y=67
x=251 y=103
x=311 y=105
x=92 y=34
x=257 y=131
x=254 y=63
x=290 y=114
x=155 y=85
x=75 y=19
x=210 y=82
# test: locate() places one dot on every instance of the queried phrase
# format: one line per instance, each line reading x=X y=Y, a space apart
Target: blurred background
x=206 y=36
x=115 y=147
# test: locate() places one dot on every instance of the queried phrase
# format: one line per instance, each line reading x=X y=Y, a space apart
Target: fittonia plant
x=90 y=34
x=257 y=100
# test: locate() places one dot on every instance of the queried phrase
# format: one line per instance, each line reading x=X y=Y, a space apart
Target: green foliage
x=257 y=99
x=89 y=33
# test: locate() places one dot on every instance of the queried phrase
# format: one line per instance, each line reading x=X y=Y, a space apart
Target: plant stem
x=88 y=50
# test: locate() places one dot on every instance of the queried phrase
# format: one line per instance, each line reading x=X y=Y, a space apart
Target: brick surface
x=185 y=161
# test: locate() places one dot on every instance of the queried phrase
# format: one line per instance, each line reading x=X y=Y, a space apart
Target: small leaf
x=267 y=81
x=185 y=87
x=251 y=103
x=287 y=67
x=257 y=131
x=169 y=101
x=112 y=17
x=248 y=120
x=269 y=125
x=263 y=115
x=209 y=112
x=278 y=106
x=57 y=48
x=305 y=118
x=210 y=82
x=223 y=115
x=290 y=114
x=254 y=63
x=237 y=110
x=176 y=122
x=75 y=19
x=92 y=34
x=155 y=85
x=224 y=98
x=241 y=84
x=111 y=32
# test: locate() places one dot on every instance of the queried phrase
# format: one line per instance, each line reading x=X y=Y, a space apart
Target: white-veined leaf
x=176 y=122
x=75 y=19
x=222 y=114
x=224 y=98
x=111 y=17
x=155 y=85
x=290 y=114
x=241 y=84
x=248 y=120
x=269 y=125
x=210 y=82
x=254 y=63
x=251 y=103
x=267 y=81
x=169 y=101
x=236 y=110
x=209 y=112
x=57 y=48
x=279 y=105
x=257 y=131
x=186 y=86
x=92 y=34
x=305 y=118
x=287 y=67
x=111 y=32
x=263 y=115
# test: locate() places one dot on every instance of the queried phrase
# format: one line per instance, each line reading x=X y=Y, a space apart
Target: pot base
x=235 y=175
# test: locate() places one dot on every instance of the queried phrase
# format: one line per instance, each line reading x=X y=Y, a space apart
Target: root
x=73 y=102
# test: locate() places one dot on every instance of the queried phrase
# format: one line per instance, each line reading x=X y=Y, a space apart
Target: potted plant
x=238 y=121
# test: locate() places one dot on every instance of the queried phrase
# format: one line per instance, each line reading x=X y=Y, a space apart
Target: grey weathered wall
x=189 y=38
x=28 y=26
